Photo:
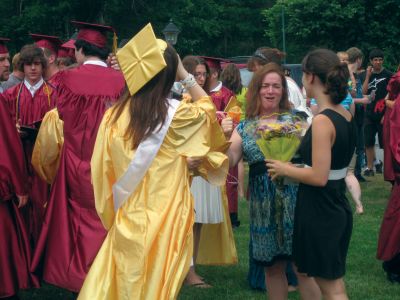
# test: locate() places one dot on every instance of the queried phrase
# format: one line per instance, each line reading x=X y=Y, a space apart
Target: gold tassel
x=115 y=43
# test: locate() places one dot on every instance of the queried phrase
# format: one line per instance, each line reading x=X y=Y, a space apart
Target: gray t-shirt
x=12 y=80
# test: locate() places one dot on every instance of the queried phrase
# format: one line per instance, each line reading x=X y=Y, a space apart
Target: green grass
x=365 y=279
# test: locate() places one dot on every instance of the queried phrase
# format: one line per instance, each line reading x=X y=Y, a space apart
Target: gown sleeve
x=103 y=173
x=13 y=172
x=49 y=142
x=395 y=131
x=195 y=132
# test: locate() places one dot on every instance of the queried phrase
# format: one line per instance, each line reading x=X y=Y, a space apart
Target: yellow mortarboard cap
x=142 y=58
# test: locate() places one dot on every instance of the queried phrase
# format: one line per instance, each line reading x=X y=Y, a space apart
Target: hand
x=366 y=100
x=21 y=133
x=194 y=162
x=227 y=126
x=276 y=168
x=113 y=62
x=369 y=71
x=181 y=73
x=22 y=200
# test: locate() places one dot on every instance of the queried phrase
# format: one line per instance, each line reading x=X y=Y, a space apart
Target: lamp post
x=171 y=33
x=283 y=32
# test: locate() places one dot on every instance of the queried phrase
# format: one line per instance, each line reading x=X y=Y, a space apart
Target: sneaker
x=369 y=172
x=379 y=167
x=360 y=178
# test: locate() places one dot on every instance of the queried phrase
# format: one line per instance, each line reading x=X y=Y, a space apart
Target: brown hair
x=190 y=62
x=148 y=107
x=325 y=64
x=253 y=107
x=29 y=54
x=16 y=61
x=265 y=55
x=230 y=77
x=354 y=54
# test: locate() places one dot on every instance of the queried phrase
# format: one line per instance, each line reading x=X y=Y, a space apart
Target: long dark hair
x=253 y=107
x=230 y=77
x=148 y=107
x=326 y=65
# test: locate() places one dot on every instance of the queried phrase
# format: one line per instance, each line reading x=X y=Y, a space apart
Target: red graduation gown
x=15 y=252
x=29 y=110
x=221 y=99
x=55 y=79
x=389 y=236
x=72 y=231
x=393 y=89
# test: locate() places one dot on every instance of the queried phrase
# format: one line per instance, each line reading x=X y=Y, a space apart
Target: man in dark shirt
x=375 y=83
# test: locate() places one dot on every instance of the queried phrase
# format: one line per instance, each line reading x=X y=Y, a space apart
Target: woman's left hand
x=227 y=126
x=276 y=168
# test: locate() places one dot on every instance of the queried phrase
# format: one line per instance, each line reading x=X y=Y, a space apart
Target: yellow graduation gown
x=47 y=151
x=148 y=248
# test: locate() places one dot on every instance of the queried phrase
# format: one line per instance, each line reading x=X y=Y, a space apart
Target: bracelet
x=189 y=81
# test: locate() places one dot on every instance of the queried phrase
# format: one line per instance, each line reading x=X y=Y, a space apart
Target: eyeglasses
x=198 y=75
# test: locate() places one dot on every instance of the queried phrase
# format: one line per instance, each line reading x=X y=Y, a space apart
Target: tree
x=335 y=24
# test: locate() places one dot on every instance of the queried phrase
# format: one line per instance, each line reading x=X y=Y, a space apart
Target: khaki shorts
x=352 y=163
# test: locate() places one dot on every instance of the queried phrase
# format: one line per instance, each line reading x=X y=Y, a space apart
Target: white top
x=33 y=88
x=217 y=88
x=95 y=62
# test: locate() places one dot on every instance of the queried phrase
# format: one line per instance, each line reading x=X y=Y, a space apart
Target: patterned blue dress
x=271 y=221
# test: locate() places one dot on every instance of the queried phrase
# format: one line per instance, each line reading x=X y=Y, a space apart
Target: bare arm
x=366 y=81
x=235 y=149
x=322 y=138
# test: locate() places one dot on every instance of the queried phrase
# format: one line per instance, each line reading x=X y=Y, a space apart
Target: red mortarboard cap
x=69 y=44
x=94 y=34
x=3 y=47
x=46 y=41
x=214 y=62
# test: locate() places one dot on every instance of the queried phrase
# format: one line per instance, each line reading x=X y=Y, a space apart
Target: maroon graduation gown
x=389 y=236
x=15 y=252
x=393 y=89
x=72 y=231
x=221 y=99
x=29 y=110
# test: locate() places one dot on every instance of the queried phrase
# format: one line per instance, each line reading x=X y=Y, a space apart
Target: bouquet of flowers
x=279 y=139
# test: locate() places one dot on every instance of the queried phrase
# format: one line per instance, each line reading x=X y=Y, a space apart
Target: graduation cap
x=47 y=41
x=95 y=34
x=30 y=132
x=3 y=47
x=142 y=58
x=214 y=62
x=69 y=44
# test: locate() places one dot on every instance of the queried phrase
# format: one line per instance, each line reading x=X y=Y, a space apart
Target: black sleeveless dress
x=323 y=217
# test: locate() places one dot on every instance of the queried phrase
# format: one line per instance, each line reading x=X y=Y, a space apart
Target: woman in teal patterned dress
x=271 y=221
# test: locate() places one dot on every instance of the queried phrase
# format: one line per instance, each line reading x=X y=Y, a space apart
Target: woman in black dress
x=323 y=217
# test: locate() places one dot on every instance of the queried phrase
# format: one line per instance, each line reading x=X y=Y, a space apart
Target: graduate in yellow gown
x=141 y=179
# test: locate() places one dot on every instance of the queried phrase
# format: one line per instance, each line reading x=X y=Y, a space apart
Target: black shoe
x=393 y=278
x=379 y=167
x=234 y=220
x=369 y=172
x=360 y=178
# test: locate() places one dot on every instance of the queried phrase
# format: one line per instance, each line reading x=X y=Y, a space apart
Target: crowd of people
x=121 y=171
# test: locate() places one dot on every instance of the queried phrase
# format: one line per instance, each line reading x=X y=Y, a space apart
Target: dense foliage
x=213 y=27
x=336 y=24
x=220 y=27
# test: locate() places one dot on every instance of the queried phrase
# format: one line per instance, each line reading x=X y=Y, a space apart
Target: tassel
x=115 y=43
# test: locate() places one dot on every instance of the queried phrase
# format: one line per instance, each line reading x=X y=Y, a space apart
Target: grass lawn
x=365 y=279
